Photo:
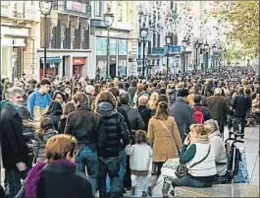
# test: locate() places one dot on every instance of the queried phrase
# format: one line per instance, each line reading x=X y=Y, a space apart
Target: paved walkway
x=251 y=147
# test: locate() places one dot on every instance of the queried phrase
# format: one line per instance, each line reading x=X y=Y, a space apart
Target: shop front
x=52 y=66
x=78 y=64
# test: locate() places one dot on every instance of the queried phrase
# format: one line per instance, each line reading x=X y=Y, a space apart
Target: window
x=67 y=40
x=97 y=9
x=56 y=38
x=120 y=14
x=158 y=39
x=139 y=49
x=77 y=39
x=86 y=40
x=149 y=47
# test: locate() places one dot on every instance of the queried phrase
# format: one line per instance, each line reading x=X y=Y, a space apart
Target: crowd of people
x=76 y=137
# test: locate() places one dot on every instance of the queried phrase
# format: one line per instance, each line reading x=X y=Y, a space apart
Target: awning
x=49 y=60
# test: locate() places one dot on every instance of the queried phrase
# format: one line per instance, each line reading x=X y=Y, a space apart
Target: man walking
x=218 y=108
x=14 y=149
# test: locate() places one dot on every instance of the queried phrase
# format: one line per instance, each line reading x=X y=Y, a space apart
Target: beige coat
x=164 y=147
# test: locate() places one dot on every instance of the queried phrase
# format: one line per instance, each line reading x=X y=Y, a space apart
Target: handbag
x=182 y=169
x=169 y=168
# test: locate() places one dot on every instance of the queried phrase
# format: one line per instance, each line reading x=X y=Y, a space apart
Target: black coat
x=115 y=131
x=86 y=126
x=242 y=105
x=145 y=114
x=14 y=148
x=61 y=181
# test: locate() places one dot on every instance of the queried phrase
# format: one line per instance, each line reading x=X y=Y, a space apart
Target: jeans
x=88 y=158
x=183 y=181
x=12 y=183
x=122 y=158
x=109 y=166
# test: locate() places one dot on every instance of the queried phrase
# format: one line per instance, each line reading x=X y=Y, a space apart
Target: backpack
x=198 y=115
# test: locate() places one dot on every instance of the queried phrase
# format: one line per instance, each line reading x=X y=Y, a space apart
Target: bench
x=219 y=190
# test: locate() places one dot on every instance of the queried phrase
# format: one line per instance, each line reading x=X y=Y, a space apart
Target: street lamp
x=197 y=46
x=108 y=20
x=220 y=51
x=45 y=8
x=206 y=48
x=143 y=34
x=168 y=41
x=184 y=44
x=213 y=56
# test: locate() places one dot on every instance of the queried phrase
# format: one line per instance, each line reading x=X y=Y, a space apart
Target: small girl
x=46 y=132
x=140 y=159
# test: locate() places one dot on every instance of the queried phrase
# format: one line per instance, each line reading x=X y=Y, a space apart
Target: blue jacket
x=182 y=113
x=36 y=99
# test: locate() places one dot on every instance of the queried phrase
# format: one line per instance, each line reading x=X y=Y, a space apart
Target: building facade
x=123 y=41
x=19 y=22
x=67 y=43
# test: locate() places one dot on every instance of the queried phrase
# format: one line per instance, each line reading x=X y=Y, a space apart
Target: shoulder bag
x=182 y=170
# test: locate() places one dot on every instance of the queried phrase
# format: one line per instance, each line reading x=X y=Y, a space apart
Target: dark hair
x=60 y=93
x=69 y=107
x=45 y=124
x=134 y=83
x=247 y=91
x=197 y=99
x=124 y=98
x=127 y=85
x=45 y=82
x=140 y=137
x=54 y=107
x=114 y=91
x=81 y=98
x=120 y=85
x=162 y=108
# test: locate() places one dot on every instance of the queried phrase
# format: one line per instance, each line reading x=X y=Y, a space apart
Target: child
x=140 y=159
x=46 y=132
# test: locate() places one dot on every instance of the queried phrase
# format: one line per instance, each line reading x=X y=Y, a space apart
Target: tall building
x=19 y=22
x=121 y=39
x=67 y=43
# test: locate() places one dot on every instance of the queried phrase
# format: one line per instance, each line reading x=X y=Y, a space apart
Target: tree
x=244 y=18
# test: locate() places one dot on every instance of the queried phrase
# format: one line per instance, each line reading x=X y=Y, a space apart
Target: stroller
x=234 y=156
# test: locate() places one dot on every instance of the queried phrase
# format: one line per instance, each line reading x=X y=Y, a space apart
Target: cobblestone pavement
x=251 y=147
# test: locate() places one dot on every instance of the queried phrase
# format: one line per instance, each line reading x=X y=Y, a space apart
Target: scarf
x=33 y=177
x=204 y=139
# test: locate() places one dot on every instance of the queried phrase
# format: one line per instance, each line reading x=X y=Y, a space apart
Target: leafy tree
x=244 y=18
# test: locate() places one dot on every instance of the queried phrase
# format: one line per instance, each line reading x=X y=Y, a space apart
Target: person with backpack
x=200 y=112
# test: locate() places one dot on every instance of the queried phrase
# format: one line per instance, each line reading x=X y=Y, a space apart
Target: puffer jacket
x=42 y=140
x=115 y=131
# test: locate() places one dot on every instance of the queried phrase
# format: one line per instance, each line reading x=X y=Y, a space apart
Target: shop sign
x=5 y=30
x=78 y=7
x=19 y=42
x=79 y=61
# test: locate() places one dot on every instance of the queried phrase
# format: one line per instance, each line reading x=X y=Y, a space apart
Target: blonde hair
x=200 y=129
x=152 y=103
x=59 y=146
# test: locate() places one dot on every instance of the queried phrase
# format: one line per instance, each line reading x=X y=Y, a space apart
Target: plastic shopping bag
x=242 y=174
x=169 y=168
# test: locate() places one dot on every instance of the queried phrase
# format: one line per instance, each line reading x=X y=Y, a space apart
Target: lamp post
x=168 y=41
x=108 y=20
x=206 y=47
x=196 y=45
x=184 y=45
x=45 y=8
x=143 y=34
x=220 y=51
x=214 y=50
